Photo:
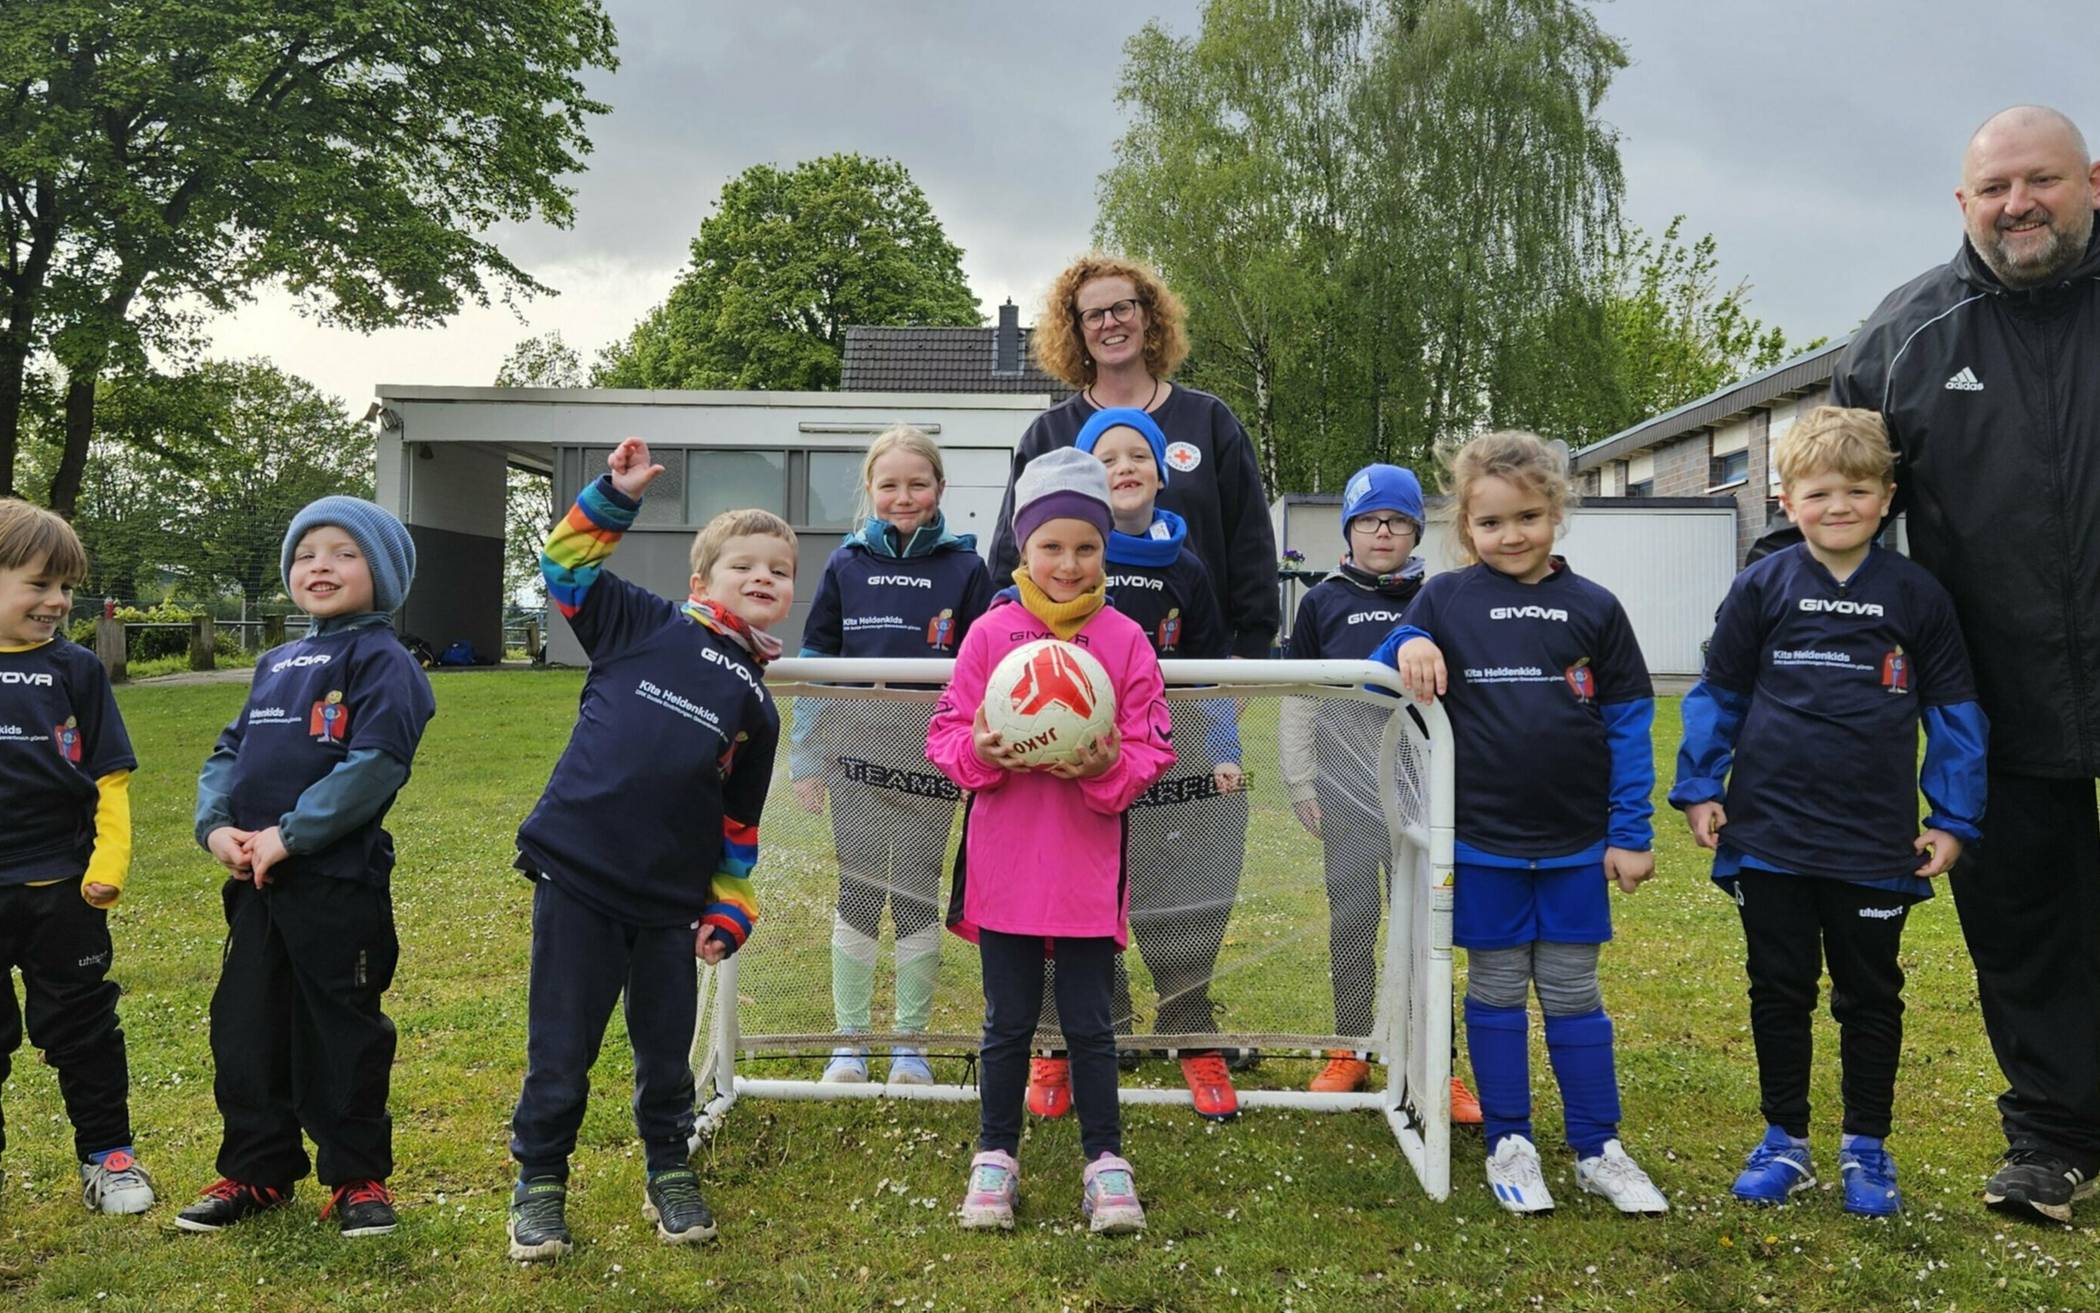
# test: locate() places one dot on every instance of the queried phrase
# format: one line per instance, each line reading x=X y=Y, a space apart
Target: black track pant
x=1013 y=1001
x=1791 y=923
x=297 y=1037
x=2029 y=898
x=61 y=945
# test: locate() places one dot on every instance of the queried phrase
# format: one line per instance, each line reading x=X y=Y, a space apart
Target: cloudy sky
x=1818 y=140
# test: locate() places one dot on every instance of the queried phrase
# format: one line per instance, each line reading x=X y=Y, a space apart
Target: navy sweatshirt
x=59 y=733
x=872 y=604
x=1341 y=619
x=1157 y=581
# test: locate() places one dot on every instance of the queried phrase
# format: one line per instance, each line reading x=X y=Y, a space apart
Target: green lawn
x=846 y=1206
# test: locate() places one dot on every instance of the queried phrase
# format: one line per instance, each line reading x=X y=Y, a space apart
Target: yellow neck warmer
x=1064 y=618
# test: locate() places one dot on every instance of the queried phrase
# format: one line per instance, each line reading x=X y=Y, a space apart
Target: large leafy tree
x=162 y=159
x=787 y=261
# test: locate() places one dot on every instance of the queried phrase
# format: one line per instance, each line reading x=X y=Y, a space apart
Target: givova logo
x=898 y=581
x=1527 y=613
x=39 y=680
x=1838 y=607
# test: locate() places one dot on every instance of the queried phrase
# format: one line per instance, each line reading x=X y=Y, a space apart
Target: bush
x=153 y=644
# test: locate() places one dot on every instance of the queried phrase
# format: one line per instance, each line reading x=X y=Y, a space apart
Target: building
x=946 y=360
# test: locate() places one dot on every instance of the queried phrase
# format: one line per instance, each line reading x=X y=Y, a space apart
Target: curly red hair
x=1058 y=344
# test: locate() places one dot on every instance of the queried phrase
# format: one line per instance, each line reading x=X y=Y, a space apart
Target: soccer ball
x=1047 y=698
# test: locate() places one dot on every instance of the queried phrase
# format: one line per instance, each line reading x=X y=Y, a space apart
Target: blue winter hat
x=1126 y=417
x=1382 y=488
x=389 y=552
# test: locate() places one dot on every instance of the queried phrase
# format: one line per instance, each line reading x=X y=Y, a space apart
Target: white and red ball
x=1049 y=697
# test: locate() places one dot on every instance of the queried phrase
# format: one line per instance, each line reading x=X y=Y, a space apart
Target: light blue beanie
x=389 y=552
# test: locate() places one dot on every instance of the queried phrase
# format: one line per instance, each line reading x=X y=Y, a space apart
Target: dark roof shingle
x=936 y=360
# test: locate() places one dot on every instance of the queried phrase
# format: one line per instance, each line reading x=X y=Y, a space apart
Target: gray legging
x=1566 y=976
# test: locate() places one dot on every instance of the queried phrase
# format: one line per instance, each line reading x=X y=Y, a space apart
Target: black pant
x=297 y=1036
x=2029 y=898
x=581 y=963
x=62 y=946
x=1791 y=922
x=1013 y=999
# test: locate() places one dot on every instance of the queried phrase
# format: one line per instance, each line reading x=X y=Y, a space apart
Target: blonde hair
x=897 y=437
x=1524 y=460
x=708 y=543
x=1843 y=440
x=1059 y=345
x=29 y=534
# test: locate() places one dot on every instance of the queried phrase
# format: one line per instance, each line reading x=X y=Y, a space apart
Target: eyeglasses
x=1370 y=526
x=1119 y=311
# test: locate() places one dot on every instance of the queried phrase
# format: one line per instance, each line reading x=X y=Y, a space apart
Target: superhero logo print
x=940 y=631
x=1168 y=636
x=1582 y=681
x=1895 y=670
x=329 y=720
x=67 y=739
x=1053 y=679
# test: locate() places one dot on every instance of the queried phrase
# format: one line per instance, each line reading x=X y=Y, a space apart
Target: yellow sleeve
x=111 y=859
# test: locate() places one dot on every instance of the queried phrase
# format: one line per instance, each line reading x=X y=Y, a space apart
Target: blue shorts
x=1505 y=907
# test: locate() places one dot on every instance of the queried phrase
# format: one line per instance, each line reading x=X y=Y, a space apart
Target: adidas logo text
x=1965 y=381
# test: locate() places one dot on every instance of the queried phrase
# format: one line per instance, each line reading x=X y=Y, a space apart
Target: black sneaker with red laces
x=362 y=1208
x=225 y=1202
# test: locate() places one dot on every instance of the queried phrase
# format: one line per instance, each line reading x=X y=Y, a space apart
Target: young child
x=901 y=585
x=291 y=802
x=1188 y=834
x=1046 y=846
x=642 y=846
x=1824 y=658
x=65 y=771
x=1550 y=704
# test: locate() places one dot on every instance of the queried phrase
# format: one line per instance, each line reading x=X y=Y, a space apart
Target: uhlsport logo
x=1895 y=670
x=1582 y=680
x=1836 y=606
x=1053 y=679
x=329 y=720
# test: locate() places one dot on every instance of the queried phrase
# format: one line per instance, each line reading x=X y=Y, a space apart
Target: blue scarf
x=881 y=538
x=1160 y=545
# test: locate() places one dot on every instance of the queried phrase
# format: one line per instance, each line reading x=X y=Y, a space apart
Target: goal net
x=1299 y=909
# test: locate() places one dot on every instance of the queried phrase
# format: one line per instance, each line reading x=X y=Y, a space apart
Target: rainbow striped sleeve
x=581 y=541
x=732 y=906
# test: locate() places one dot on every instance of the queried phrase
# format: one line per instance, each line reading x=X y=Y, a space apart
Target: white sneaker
x=1516 y=1178
x=1614 y=1176
x=847 y=1067
x=117 y=1184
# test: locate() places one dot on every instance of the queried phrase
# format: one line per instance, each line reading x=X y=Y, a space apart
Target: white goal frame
x=1415 y=985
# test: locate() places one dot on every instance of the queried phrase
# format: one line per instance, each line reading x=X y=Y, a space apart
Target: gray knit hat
x=1063 y=483
x=389 y=552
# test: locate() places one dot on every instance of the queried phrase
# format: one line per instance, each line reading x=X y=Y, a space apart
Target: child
x=1046 y=846
x=1550 y=704
x=900 y=586
x=1188 y=835
x=642 y=846
x=1824 y=658
x=65 y=771
x=290 y=802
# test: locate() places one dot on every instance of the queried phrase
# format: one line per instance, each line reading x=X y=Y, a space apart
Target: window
x=1640 y=475
x=1645 y=488
x=834 y=489
x=718 y=481
x=1731 y=468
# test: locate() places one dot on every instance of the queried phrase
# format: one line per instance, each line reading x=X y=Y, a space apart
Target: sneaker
x=1515 y=1176
x=847 y=1067
x=1465 y=1109
x=116 y=1184
x=908 y=1066
x=1344 y=1073
x=1611 y=1174
x=1211 y=1083
x=2036 y=1183
x=1049 y=1086
x=1110 y=1200
x=995 y=1182
x=672 y=1201
x=225 y=1202
x=362 y=1208
x=1777 y=1168
x=539 y=1226
x=1869 y=1174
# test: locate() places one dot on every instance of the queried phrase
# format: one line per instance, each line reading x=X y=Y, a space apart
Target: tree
x=161 y=160
x=537 y=362
x=783 y=265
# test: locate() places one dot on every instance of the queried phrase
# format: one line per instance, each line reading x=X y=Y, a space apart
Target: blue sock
x=1499 y=1041
x=96 y=1158
x=1581 y=1050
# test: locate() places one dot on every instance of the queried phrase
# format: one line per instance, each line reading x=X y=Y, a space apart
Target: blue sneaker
x=1870 y=1177
x=1777 y=1168
x=847 y=1067
x=908 y=1067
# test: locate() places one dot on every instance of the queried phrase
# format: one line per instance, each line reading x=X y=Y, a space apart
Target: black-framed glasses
x=1370 y=526
x=1119 y=311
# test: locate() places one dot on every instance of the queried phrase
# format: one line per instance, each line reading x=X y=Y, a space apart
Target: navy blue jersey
x=871 y=605
x=313 y=702
x=1825 y=773
x=674 y=742
x=59 y=733
x=1340 y=619
x=1174 y=604
x=1533 y=670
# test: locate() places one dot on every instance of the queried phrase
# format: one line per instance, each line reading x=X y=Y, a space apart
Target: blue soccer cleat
x=1776 y=1169
x=1869 y=1175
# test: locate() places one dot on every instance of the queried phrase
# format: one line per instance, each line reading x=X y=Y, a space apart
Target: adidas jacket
x=1992 y=398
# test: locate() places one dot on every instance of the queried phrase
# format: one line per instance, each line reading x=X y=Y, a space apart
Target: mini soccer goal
x=1299 y=911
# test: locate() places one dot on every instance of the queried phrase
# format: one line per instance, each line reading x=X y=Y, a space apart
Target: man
x=1987 y=370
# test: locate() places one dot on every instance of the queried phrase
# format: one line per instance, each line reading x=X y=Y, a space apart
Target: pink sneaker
x=995 y=1181
x=1110 y=1202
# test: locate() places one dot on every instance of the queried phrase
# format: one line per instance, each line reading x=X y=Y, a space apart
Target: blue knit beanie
x=1126 y=417
x=389 y=552
x=1382 y=488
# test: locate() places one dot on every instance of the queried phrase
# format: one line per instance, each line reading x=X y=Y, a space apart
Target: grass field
x=846 y=1206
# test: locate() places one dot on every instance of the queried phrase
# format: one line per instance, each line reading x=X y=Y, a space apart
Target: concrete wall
x=451 y=497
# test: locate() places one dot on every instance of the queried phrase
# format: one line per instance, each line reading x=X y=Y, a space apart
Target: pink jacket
x=1043 y=855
